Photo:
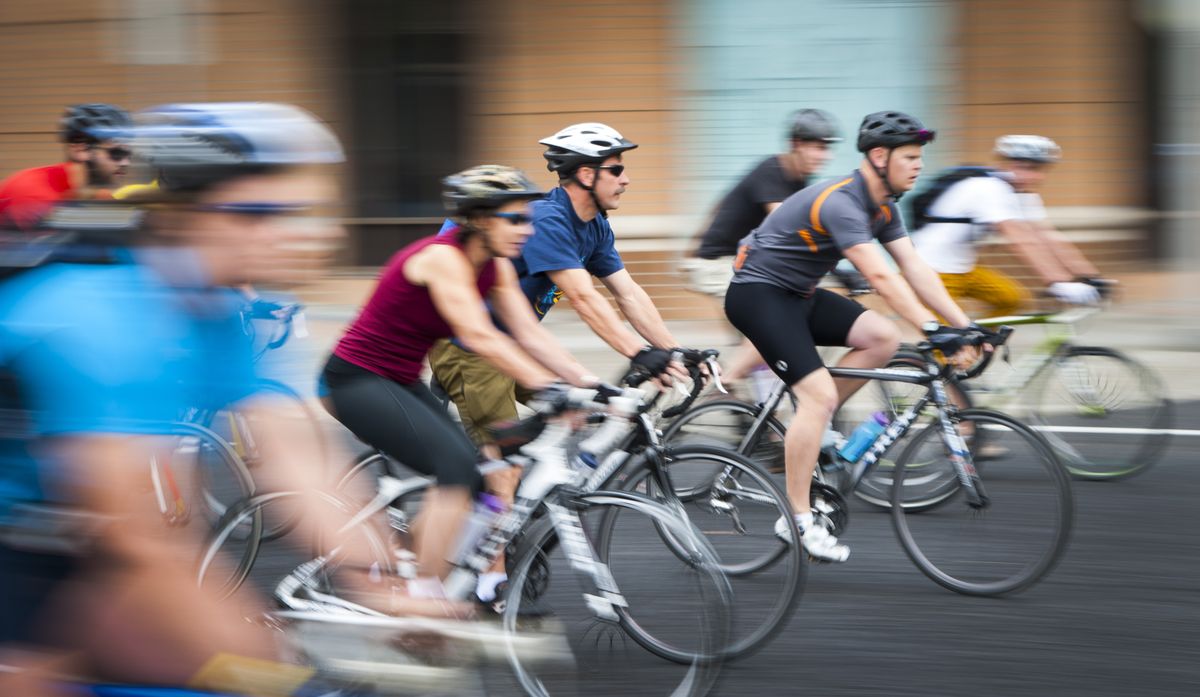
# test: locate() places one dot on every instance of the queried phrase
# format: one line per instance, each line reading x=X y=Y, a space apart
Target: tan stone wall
x=545 y=64
x=1067 y=69
x=58 y=52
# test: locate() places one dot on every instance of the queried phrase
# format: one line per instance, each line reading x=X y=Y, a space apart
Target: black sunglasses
x=616 y=170
x=515 y=218
x=118 y=154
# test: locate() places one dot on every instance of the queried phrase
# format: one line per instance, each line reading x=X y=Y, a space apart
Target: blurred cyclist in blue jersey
x=98 y=359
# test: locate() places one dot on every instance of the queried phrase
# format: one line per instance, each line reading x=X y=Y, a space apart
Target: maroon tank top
x=399 y=323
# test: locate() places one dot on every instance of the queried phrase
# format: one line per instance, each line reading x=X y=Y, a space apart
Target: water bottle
x=487 y=509
x=863 y=437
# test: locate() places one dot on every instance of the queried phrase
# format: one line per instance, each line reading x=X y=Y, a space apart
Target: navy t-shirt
x=562 y=241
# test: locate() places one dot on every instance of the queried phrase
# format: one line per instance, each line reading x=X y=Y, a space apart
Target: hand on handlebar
x=1074 y=292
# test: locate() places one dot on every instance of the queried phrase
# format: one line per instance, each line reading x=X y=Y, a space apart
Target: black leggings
x=405 y=421
x=787 y=328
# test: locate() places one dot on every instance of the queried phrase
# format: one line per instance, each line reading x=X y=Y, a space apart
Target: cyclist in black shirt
x=812 y=133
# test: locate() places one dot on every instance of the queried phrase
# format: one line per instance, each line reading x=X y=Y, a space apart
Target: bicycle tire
x=705 y=424
x=698 y=665
x=208 y=418
x=253 y=507
x=744 y=552
x=1008 y=480
x=196 y=438
x=1123 y=394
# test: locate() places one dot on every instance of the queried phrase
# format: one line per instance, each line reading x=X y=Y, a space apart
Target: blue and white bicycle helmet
x=193 y=146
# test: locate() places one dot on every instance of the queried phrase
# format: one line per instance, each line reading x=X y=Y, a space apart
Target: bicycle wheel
x=736 y=514
x=1008 y=544
x=236 y=430
x=214 y=473
x=228 y=558
x=1103 y=412
x=674 y=609
x=723 y=424
x=922 y=490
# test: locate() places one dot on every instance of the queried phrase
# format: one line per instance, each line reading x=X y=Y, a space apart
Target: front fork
x=603 y=598
x=957 y=451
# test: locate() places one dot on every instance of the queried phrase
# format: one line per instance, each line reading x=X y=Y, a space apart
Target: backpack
x=918 y=209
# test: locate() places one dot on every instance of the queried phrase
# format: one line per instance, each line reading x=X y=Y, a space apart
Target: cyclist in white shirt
x=951 y=220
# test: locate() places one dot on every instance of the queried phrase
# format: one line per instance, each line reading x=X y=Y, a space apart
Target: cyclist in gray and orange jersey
x=774 y=299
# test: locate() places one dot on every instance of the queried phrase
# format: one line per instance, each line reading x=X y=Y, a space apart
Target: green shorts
x=482 y=394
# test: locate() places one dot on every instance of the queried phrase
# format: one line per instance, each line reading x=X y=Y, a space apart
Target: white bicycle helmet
x=581 y=144
x=1029 y=148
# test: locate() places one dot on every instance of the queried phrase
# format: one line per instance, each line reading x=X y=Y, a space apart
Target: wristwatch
x=930 y=327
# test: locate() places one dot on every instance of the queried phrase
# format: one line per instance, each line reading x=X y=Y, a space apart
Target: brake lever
x=714 y=371
x=677 y=357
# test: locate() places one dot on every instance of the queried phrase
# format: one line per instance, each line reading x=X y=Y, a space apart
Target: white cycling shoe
x=816 y=541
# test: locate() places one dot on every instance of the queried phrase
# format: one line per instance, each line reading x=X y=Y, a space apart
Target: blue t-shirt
x=110 y=349
x=562 y=241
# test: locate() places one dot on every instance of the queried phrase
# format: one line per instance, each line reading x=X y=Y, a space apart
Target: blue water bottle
x=863 y=437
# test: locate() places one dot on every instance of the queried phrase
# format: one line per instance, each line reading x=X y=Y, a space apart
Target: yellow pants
x=1001 y=293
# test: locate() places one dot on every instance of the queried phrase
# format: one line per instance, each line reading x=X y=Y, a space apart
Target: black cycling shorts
x=787 y=328
x=405 y=421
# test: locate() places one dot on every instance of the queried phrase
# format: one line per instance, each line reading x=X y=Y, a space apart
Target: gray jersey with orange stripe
x=803 y=239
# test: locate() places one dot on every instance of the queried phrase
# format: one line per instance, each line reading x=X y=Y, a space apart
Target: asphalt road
x=1120 y=615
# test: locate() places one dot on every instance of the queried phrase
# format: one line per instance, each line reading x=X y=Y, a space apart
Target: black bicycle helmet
x=193 y=146
x=891 y=129
x=581 y=144
x=814 y=124
x=485 y=187
x=92 y=123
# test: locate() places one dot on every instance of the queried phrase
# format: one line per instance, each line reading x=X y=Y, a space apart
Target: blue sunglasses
x=515 y=218
x=256 y=209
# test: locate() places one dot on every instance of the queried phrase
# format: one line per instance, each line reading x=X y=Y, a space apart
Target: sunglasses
x=256 y=209
x=117 y=154
x=924 y=136
x=616 y=170
x=515 y=218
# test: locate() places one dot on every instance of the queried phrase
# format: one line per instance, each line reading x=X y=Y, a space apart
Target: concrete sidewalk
x=1156 y=318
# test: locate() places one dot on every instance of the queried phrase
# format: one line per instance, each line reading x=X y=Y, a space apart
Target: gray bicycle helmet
x=891 y=129
x=581 y=144
x=486 y=186
x=92 y=123
x=814 y=124
x=193 y=146
x=1028 y=148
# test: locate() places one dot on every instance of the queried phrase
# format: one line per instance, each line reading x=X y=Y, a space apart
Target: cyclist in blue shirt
x=101 y=359
x=572 y=243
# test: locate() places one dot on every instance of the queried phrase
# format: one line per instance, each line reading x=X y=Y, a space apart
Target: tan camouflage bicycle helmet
x=485 y=187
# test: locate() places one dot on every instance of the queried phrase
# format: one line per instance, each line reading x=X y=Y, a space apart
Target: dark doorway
x=408 y=89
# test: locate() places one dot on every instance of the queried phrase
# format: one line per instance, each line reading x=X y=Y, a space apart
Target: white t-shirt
x=987 y=200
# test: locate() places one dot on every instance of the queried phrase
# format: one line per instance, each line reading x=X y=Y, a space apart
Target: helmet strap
x=590 y=189
x=883 y=174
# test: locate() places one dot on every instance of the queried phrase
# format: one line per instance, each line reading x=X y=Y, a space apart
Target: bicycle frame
x=959 y=455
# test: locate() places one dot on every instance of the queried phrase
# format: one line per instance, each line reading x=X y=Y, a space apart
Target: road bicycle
x=969 y=532
x=549 y=535
x=1106 y=415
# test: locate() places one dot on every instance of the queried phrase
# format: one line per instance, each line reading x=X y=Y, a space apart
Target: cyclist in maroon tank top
x=432 y=289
